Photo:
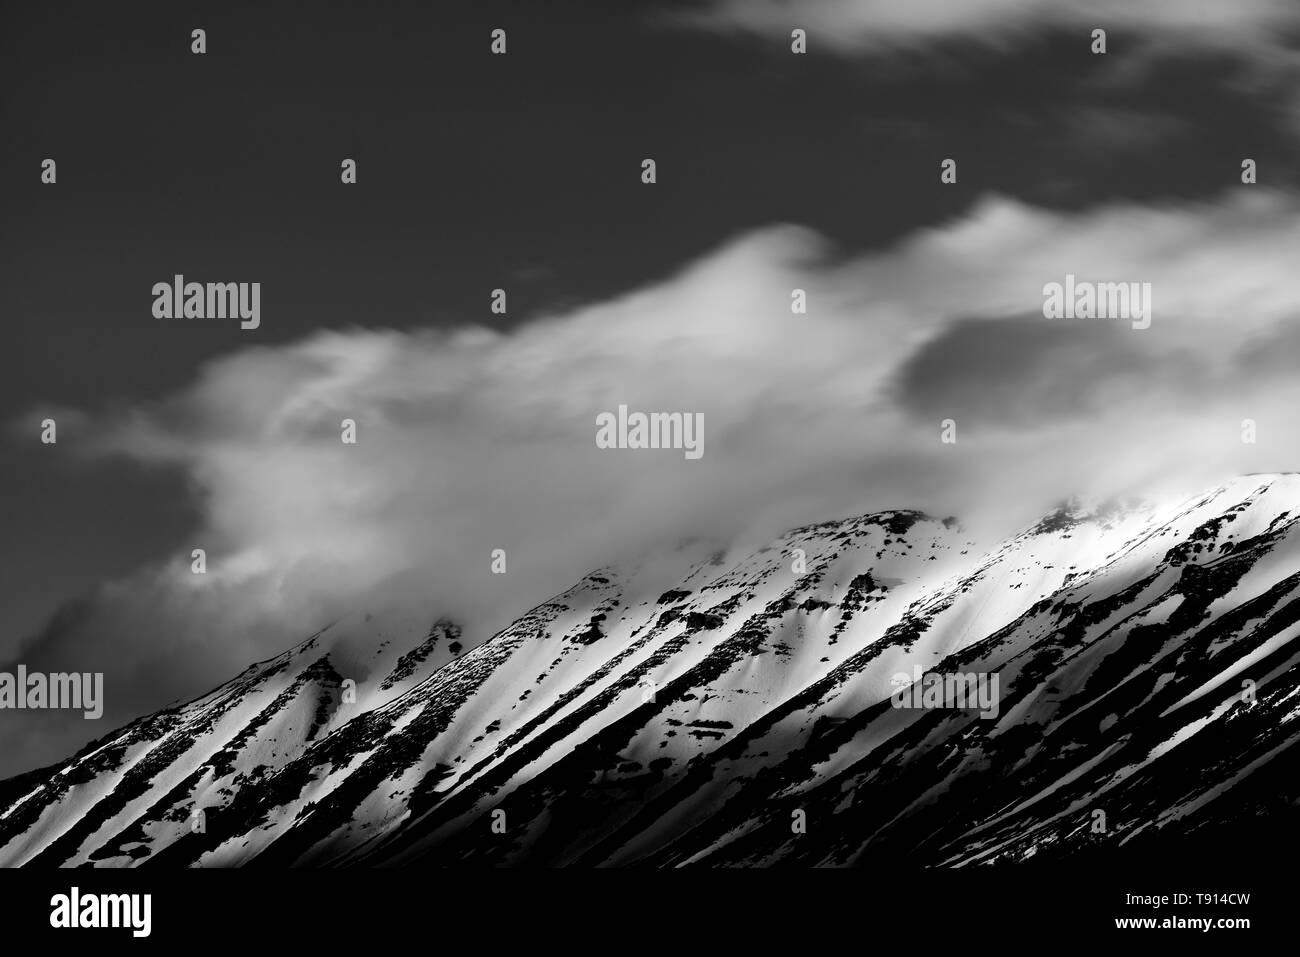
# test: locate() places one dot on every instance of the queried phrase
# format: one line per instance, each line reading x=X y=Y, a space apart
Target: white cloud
x=474 y=439
x=886 y=24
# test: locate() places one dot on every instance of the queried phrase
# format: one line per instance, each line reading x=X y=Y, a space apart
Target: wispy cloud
x=1260 y=39
x=890 y=24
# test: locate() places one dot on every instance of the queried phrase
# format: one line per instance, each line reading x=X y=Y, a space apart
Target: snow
x=762 y=678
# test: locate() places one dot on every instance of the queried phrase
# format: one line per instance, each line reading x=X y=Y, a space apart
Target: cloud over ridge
x=475 y=439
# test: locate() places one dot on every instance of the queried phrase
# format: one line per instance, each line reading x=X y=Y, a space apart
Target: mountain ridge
x=636 y=720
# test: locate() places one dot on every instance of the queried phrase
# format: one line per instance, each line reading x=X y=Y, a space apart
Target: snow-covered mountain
x=733 y=709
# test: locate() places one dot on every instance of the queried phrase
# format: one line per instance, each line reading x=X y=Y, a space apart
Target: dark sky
x=478 y=171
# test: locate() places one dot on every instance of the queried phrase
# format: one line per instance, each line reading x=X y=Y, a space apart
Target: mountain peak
x=681 y=709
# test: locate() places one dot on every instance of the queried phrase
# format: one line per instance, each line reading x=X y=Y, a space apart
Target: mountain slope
x=736 y=709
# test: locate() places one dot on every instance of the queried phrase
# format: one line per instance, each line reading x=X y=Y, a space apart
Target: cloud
x=1249 y=47
x=475 y=439
x=855 y=25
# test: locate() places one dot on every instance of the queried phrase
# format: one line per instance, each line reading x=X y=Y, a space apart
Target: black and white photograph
x=797 y=457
